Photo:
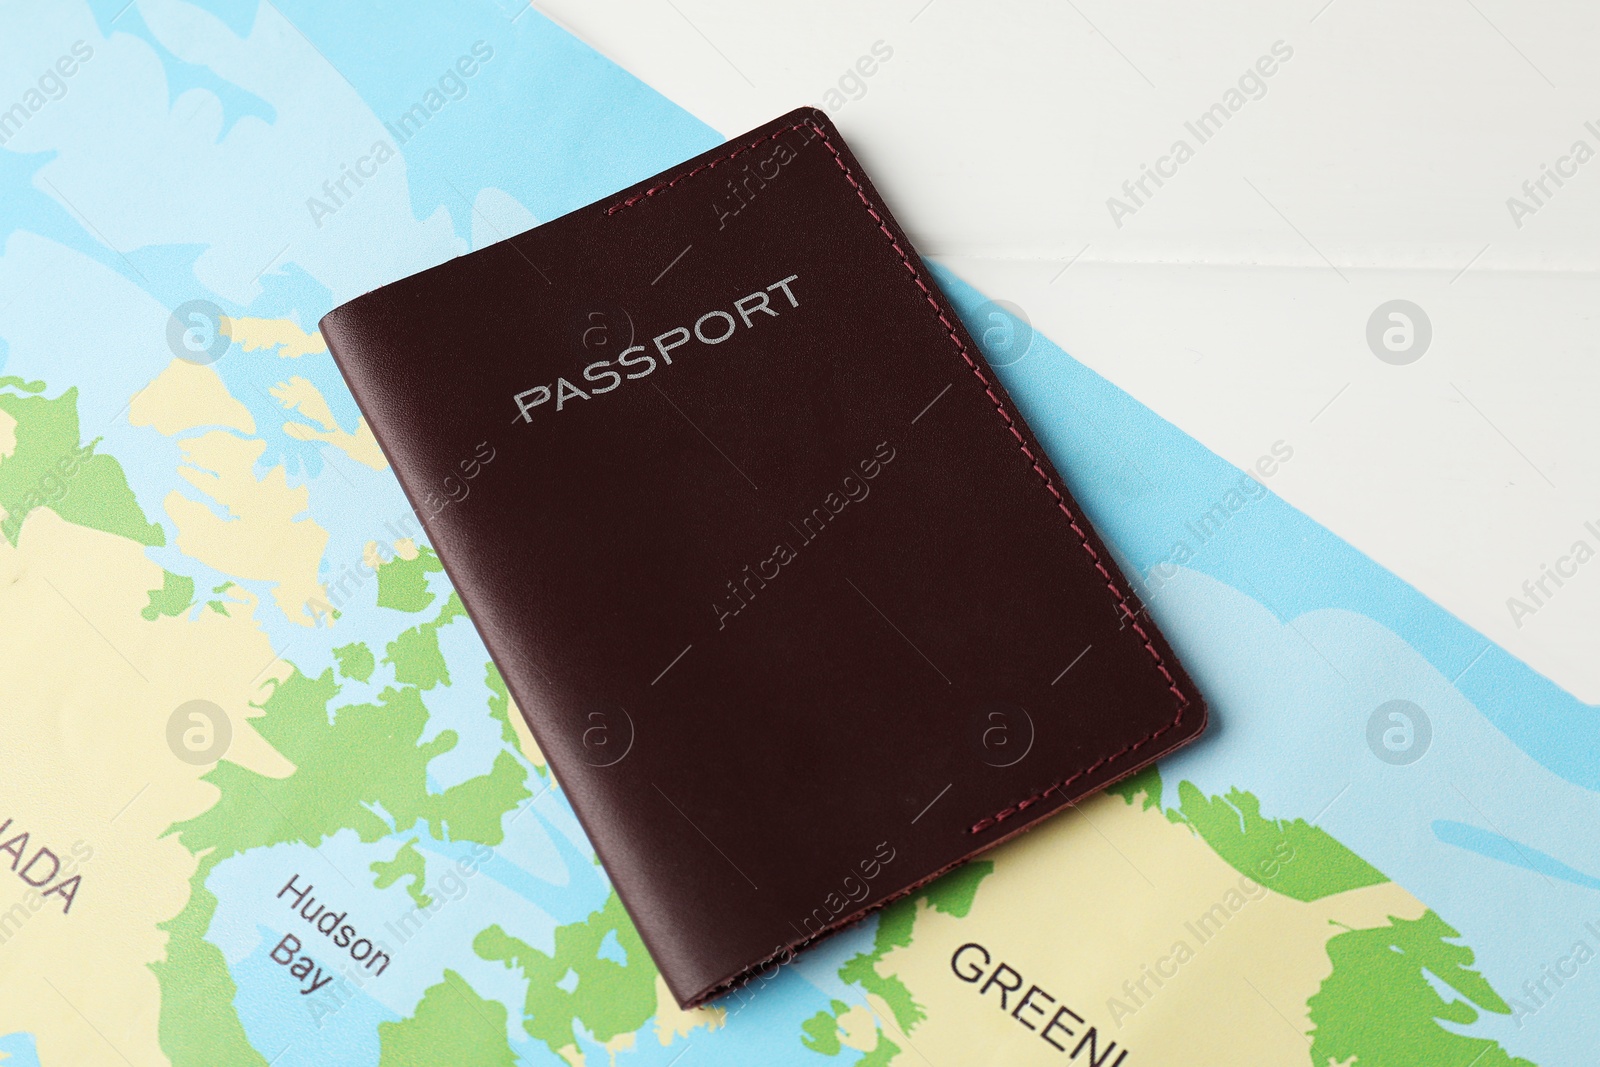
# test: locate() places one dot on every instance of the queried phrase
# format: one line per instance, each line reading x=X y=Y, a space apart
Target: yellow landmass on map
x=187 y=396
x=89 y=686
x=255 y=528
x=858 y=1029
x=531 y=750
x=301 y=396
x=291 y=341
x=574 y=1056
x=1081 y=904
x=673 y=1022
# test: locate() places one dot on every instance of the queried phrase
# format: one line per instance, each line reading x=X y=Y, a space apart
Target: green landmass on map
x=452 y=1025
x=951 y=894
x=403 y=583
x=1255 y=846
x=820 y=1033
x=364 y=758
x=1381 y=1002
x=173 y=598
x=407 y=862
x=500 y=702
x=218 y=605
x=416 y=655
x=1235 y=829
x=882 y=1054
x=51 y=467
x=1379 y=1007
x=579 y=985
x=355 y=661
x=322 y=797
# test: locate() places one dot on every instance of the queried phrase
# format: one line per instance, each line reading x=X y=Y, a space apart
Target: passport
x=795 y=605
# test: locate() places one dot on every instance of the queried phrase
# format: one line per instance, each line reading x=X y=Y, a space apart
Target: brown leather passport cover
x=793 y=601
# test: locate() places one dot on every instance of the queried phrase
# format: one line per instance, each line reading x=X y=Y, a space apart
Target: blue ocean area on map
x=1296 y=638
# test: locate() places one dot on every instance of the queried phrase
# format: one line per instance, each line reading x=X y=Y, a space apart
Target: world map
x=267 y=800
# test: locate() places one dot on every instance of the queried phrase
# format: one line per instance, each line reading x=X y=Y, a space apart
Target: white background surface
x=1234 y=301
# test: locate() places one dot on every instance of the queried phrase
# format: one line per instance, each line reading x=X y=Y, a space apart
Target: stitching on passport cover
x=1022 y=445
x=757 y=143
